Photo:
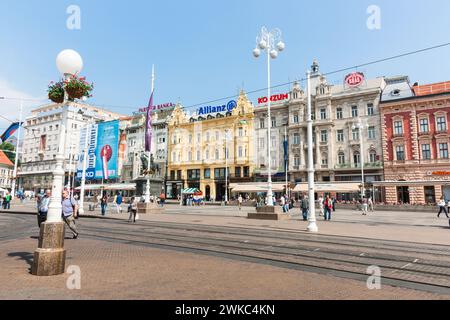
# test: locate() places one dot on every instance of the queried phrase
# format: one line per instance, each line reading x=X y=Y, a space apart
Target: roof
x=5 y=160
x=430 y=89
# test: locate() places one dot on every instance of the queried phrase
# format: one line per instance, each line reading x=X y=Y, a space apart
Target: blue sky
x=202 y=49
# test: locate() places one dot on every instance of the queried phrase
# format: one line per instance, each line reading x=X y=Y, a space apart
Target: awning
x=256 y=187
x=189 y=191
x=421 y=183
x=115 y=186
x=330 y=187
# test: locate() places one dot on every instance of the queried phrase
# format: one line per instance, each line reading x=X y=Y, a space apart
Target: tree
x=9 y=151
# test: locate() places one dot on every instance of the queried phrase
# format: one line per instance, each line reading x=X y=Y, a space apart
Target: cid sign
x=354 y=79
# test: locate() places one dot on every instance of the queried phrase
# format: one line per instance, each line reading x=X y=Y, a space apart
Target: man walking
x=69 y=209
x=162 y=199
x=240 y=202
x=7 y=201
x=364 y=206
x=118 y=201
x=43 y=207
x=328 y=204
x=305 y=207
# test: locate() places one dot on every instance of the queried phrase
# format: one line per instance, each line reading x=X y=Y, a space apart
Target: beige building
x=205 y=146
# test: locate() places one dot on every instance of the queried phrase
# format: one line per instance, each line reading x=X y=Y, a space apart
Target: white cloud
x=10 y=106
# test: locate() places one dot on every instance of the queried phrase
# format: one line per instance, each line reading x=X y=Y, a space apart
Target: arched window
x=356 y=158
x=341 y=158
x=373 y=156
x=324 y=159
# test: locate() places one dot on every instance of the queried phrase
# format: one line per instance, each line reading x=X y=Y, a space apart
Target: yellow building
x=198 y=144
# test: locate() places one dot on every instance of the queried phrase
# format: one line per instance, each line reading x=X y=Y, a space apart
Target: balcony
x=398 y=135
x=369 y=165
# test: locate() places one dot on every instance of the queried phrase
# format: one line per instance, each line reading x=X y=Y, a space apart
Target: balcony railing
x=369 y=165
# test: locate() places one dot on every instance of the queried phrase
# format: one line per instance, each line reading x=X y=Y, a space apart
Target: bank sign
x=216 y=109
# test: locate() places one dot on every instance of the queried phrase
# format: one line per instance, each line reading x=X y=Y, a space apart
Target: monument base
x=269 y=213
x=50 y=256
x=149 y=208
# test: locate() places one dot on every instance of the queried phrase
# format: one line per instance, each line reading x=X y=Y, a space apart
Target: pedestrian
x=7 y=201
x=286 y=204
x=441 y=205
x=283 y=203
x=364 y=206
x=334 y=204
x=118 y=201
x=328 y=206
x=305 y=207
x=321 y=208
x=133 y=210
x=240 y=202
x=162 y=199
x=104 y=204
x=99 y=201
x=370 y=204
x=43 y=207
x=69 y=209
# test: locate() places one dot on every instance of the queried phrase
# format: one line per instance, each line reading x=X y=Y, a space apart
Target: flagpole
x=16 y=161
x=147 y=189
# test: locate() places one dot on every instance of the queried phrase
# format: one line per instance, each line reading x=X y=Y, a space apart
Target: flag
x=148 y=126
x=286 y=152
x=10 y=131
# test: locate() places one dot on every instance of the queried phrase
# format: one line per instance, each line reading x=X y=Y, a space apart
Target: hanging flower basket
x=56 y=92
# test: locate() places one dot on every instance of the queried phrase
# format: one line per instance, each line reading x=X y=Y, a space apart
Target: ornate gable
x=178 y=116
x=244 y=106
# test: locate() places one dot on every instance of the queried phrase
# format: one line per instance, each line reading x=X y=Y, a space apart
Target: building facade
x=337 y=148
x=6 y=171
x=41 y=140
x=205 y=148
x=416 y=140
x=135 y=163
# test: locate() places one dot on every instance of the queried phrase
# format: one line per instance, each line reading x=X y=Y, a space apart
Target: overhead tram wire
x=355 y=67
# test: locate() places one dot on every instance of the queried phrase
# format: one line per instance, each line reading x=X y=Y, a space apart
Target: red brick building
x=416 y=141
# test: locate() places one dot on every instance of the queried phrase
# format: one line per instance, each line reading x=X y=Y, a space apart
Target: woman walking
x=442 y=207
x=104 y=204
x=133 y=210
x=328 y=208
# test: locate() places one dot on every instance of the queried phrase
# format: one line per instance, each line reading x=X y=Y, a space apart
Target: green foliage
x=9 y=151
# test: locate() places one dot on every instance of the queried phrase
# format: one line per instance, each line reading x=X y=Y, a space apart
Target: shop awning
x=189 y=191
x=330 y=187
x=115 y=186
x=256 y=187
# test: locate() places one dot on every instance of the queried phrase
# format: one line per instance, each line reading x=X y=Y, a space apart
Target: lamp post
x=49 y=257
x=361 y=126
x=272 y=43
x=226 y=166
x=312 y=225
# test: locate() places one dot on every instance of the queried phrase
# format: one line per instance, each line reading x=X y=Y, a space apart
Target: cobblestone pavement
x=135 y=270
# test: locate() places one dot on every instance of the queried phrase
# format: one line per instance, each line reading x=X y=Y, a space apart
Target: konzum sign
x=274 y=98
x=354 y=79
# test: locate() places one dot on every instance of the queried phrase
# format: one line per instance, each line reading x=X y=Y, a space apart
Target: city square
x=139 y=164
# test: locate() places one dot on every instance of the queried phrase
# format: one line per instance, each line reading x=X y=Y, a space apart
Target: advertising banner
x=103 y=151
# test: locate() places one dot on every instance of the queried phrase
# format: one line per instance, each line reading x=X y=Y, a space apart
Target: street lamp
x=361 y=126
x=312 y=225
x=272 y=43
x=227 y=138
x=49 y=257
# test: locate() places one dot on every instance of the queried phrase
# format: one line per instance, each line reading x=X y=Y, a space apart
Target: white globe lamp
x=262 y=44
x=256 y=52
x=273 y=54
x=281 y=46
x=69 y=62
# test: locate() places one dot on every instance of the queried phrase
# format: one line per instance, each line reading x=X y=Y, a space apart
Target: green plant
x=76 y=87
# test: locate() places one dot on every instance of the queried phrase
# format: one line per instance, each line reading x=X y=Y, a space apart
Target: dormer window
x=395 y=92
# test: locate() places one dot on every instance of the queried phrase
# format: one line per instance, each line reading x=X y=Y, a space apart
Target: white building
x=41 y=139
x=6 y=171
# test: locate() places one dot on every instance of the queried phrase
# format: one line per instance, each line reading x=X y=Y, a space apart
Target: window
x=207 y=173
x=296 y=161
x=323 y=114
x=398 y=128
x=355 y=134
x=217 y=154
x=339 y=114
x=261 y=143
x=323 y=136
x=274 y=142
x=371 y=132
x=274 y=122
x=340 y=135
x=370 y=110
x=207 y=137
x=199 y=137
x=246 y=172
x=237 y=172
x=443 y=150
x=426 y=152
x=198 y=155
x=189 y=156
x=324 y=159
x=207 y=155
x=173 y=157
x=341 y=158
x=357 y=158
x=354 y=111
x=219 y=173
x=193 y=174
x=373 y=156
x=400 y=152
x=217 y=136
x=441 y=124
x=296 y=138
x=190 y=138
x=240 y=152
x=424 y=127
x=296 y=120
x=262 y=123
x=430 y=196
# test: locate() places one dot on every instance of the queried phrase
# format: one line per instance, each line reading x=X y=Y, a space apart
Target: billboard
x=103 y=151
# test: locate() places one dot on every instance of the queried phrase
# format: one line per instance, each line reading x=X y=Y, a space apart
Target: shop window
x=430 y=195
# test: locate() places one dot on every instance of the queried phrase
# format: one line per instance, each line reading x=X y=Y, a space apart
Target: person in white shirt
x=320 y=206
x=441 y=205
x=240 y=202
